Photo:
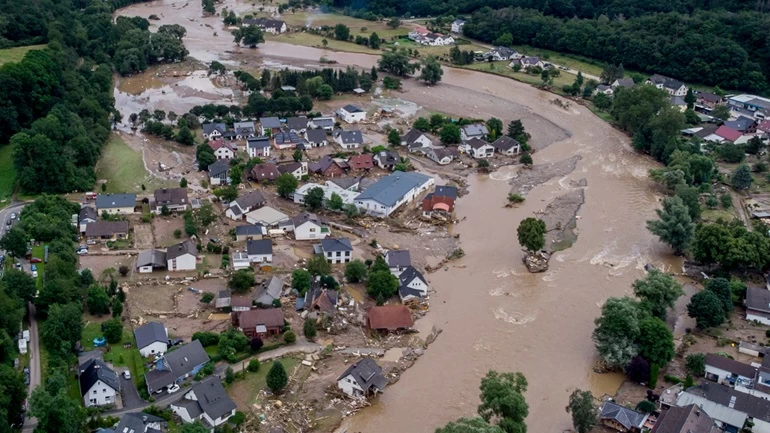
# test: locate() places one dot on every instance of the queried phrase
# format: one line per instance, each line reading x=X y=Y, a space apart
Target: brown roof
x=727 y=364
x=269 y=317
x=431 y=200
x=172 y=196
x=266 y=171
x=361 y=162
x=390 y=317
x=688 y=419
x=106 y=228
x=240 y=301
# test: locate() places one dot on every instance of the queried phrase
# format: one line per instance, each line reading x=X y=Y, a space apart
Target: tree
x=658 y=292
x=341 y=32
x=689 y=98
x=721 y=112
x=97 y=301
x=15 y=241
x=526 y=159
x=741 y=178
x=250 y=36
x=391 y=83
x=721 y=288
x=254 y=365
x=502 y=399
x=690 y=196
x=289 y=337
x=616 y=332
x=241 y=281
x=318 y=265
x=355 y=271
x=469 y=425
x=20 y=284
x=185 y=136
x=229 y=375
x=531 y=234
x=638 y=370
x=309 y=329
x=335 y=202
x=431 y=70
x=646 y=406
x=194 y=427
x=450 y=134
x=395 y=62
x=495 y=127
x=581 y=406
x=394 y=23
x=382 y=285
x=602 y=101
x=696 y=364
x=706 y=308
x=394 y=138
x=286 y=184
x=297 y=155
x=374 y=41
x=379 y=264
x=113 y=331
x=277 y=378
x=421 y=124
x=54 y=409
x=301 y=280
x=675 y=227
x=63 y=328
x=656 y=343
x=314 y=199
x=517 y=132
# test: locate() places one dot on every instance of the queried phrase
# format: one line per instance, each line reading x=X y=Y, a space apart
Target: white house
x=526 y=62
x=219 y=172
x=240 y=260
x=296 y=169
x=362 y=379
x=115 y=204
x=416 y=141
x=213 y=130
x=267 y=25
x=457 y=26
x=308 y=226
x=412 y=284
x=325 y=123
x=151 y=339
x=151 y=260
x=351 y=114
x=99 y=384
x=258 y=147
x=441 y=156
x=182 y=257
x=390 y=192
x=474 y=130
x=398 y=261
x=86 y=216
x=758 y=305
x=349 y=139
x=316 y=137
x=260 y=251
x=507 y=146
x=670 y=85
x=335 y=250
x=206 y=402
x=244 y=130
x=720 y=368
x=222 y=149
x=501 y=53
x=244 y=204
x=477 y=148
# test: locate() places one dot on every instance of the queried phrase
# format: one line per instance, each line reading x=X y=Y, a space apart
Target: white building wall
x=145 y=269
x=349 y=386
x=117 y=210
x=155 y=348
x=99 y=395
x=182 y=413
x=185 y=262
x=261 y=258
x=761 y=319
x=344 y=256
x=722 y=374
x=417 y=284
x=308 y=231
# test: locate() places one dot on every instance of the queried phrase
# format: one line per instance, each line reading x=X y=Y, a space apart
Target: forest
x=714 y=43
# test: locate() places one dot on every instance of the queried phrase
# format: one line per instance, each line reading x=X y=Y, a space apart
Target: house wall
x=145 y=269
x=335 y=257
x=223 y=153
x=483 y=152
x=751 y=316
x=99 y=395
x=373 y=207
x=260 y=258
x=155 y=348
x=309 y=231
x=417 y=284
x=353 y=117
x=186 y=262
x=349 y=386
x=182 y=413
x=253 y=153
x=117 y=210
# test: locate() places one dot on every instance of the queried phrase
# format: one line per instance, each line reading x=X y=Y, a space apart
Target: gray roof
x=475 y=129
x=504 y=143
x=249 y=230
x=290 y=167
x=179 y=362
x=687 y=419
x=87 y=212
x=731 y=365
x=171 y=196
x=350 y=108
x=391 y=188
x=258 y=142
x=219 y=167
x=351 y=137
x=666 y=82
x=241 y=127
x=625 y=82
x=180 y=249
x=711 y=97
x=755 y=407
x=304 y=217
x=95 y=370
x=251 y=199
x=345 y=182
x=316 y=135
x=109 y=201
x=758 y=299
x=208 y=128
x=678 y=101
x=270 y=291
x=156 y=258
x=387 y=157
x=136 y=422
x=212 y=398
x=323 y=122
x=150 y=333
x=411 y=136
x=284 y=137
x=106 y=228
x=445 y=191
x=741 y=124
x=261 y=246
x=409 y=274
x=458 y=22
x=398 y=258
x=367 y=374
x=297 y=123
x=339 y=244
x=626 y=417
x=270 y=122
x=444 y=152
x=192 y=407
x=504 y=52
x=477 y=143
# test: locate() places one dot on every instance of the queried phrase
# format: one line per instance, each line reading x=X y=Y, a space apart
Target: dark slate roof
x=367 y=373
x=727 y=364
x=407 y=277
x=304 y=217
x=391 y=188
x=265 y=171
x=444 y=152
x=687 y=419
x=290 y=167
x=149 y=333
x=758 y=299
x=270 y=290
x=339 y=244
x=270 y=122
x=181 y=249
x=156 y=258
x=477 y=143
x=625 y=82
x=180 y=362
x=411 y=136
x=626 y=417
x=107 y=201
x=475 y=129
x=192 y=407
x=244 y=127
x=212 y=398
x=399 y=258
x=136 y=422
x=95 y=370
x=351 y=137
x=322 y=165
x=445 y=191
x=711 y=97
x=741 y=124
x=350 y=108
x=503 y=51
x=219 y=167
x=258 y=142
x=668 y=83
x=723 y=395
x=172 y=196
x=106 y=228
x=285 y=137
x=249 y=230
x=387 y=157
x=253 y=198
x=261 y=246
x=87 y=212
x=208 y=128
x=504 y=143
x=297 y=123
x=316 y=135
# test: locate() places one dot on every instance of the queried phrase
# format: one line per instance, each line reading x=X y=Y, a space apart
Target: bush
x=310 y=329
x=178 y=233
x=277 y=379
x=238 y=419
x=289 y=337
x=207 y=297
x=515 y=198
x=206 y=338
x=113 y=331
x=654 y=370
x=696 y=364
x=253 y=365
x=229 y=375
x=646 y=406
x=256 y=344
x=672 y=379
x=123 y=269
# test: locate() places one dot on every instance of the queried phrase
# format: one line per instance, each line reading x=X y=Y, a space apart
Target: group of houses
x=423 y=36
x=268 y=25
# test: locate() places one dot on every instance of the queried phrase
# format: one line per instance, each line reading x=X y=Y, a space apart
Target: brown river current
x=494 y=314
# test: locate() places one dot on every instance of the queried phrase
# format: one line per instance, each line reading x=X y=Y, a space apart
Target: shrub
x=696 y=364
x=238 y=419
x=310 y=329
x=672 y=379
x=253 y=365
x=113 y=331
x=515 y=198
x=207 y=297
x=654 y=370
x=289 y=337
x=277 y=379
x=646 y=406
x=256 y=344
x=178 y=233
x=206 y=338
x=229 y=375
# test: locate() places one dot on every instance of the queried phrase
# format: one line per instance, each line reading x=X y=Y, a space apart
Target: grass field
x=7 y=172
x=711 y=215
x=311 y=40
x=577 y=63
x=357 y=26
x=248 y=389
x=15 y=54
x=118 y=355
x=501 y=68
x=123 y=169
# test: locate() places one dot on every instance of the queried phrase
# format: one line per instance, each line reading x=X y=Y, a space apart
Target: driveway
x=131 y=399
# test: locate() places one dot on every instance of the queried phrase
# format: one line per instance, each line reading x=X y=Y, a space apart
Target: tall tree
x=502 y=400
x=583 y=410
x=431 y=71
x=741 y=178
x=616 y=332
x=658 y=292
x=674 y=227
x=469 y=425
x=531 y=234
x=277 y=379
x=690 y=99
x=286 y=184
x=707 y=309
x=656 y=343
x=55 y=411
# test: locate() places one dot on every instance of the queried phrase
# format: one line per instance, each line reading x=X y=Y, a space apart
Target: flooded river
x=494 y=314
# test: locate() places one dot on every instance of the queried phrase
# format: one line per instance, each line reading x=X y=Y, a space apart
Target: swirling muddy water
x=494 y=314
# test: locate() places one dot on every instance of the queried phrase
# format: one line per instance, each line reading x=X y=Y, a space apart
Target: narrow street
x=35 y=370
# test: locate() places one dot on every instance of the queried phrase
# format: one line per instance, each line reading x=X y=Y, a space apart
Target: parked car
x=34 y=274
x=18 y=265
x=26 y=370
x=82 y=252
x=35 y=260
x=173 y=388
x=127 y=374
x=13 y=215
x=33 y=267
x=175 y=342
x=91 y=242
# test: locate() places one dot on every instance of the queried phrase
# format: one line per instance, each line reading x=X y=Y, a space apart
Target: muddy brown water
x=494 y=314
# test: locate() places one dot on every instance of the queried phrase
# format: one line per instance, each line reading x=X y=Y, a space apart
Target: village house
x=213 y=130
x=348 y=139
x=269 y=125
x=265 y=172
x=412 y=284
x=324 y=123
x=743 y=124
x=316 y=137
x=526 y=62
x=260 y=251
x=296 y=169
x=506 y=145
x=351 y=114
x=756 y=106
x=727 y=406
x=363 y=162
x=678 y=103
x=99 y=384
x=389 y=318
x=260 y=322
x=268 y=25
x=244 y=204
x=688 y=419
x=604 y=88
x=345 y=183
x=266 y=216
x=722 y=369
x=441 y=156
x=670 y=85
x=174 y=199
x=498 y=54
x=416 y=141
x=625 y=83
x=386 y=159
x=250 y=232
x=269 y=292
x=151 y=339
x=244 y=130
x=477 y=148
x=151 y=260
x=258 y=147
x=724 y=133
x=219 y=172
x=317 y=300
x=457 y=26
x=240 y=303
x=115 y=204
x=391 y=192
x=183 y=362
x=206 y=402
x=223 y=299
x=348 y=197
x=86 y=216
x=182 y=256
x=362 y=379
x=620 y=418
x=441 y=201
x=138 y=422
x=757 y=305
x=222 y=149
x=100 y=231
x=308 y=226
x=335 y=250
x=474 y=130
x=297 y=124
x=327 y=167
x=707 y=101
x=285 y=140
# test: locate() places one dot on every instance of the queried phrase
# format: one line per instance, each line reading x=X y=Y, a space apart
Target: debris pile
x=537 y=262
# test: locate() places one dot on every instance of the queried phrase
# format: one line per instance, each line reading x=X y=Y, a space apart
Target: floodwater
x=493 y=313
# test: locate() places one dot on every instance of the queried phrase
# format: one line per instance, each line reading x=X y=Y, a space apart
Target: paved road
x=35 y=371
x=5 y=215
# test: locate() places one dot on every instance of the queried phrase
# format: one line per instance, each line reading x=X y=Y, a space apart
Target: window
x=339 y=253
x=95 y=391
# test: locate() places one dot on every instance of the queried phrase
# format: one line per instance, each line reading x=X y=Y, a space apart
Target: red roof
x=390 y=317
x=216 y=144
x=361 y=162
x=728 y=133
x=269 y=317
x=433 y=202
x=764 y=126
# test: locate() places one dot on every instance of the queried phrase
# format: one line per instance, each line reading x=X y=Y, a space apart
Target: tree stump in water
x=536 y=262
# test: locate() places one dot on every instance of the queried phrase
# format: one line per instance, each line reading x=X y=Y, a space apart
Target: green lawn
x=117 y=354
x=311 y=40
x=255 y=382
x=15 y=54
x=123 y=169
x=711 y=215
x=39 y=252
x=501 y=68
x=7 y=172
